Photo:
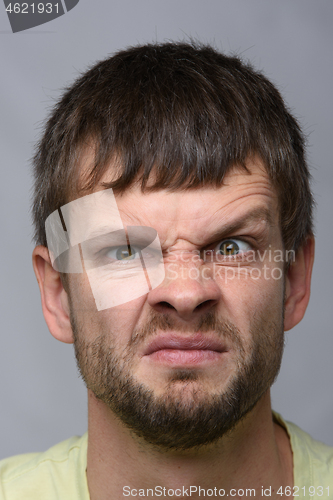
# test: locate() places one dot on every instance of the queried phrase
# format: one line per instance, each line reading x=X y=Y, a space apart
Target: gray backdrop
x=42 y=398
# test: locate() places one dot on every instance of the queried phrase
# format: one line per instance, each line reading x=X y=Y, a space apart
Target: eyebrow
x=106 y=232
x=103 y=235
x=256 y=215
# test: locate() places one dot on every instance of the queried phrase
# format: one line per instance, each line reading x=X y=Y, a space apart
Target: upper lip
x=175 y=341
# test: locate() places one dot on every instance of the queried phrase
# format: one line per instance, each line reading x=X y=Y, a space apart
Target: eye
x=232 y=247
x=123 y=253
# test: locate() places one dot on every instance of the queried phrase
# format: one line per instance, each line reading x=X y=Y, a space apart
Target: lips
x=176 y=342
x=176 y=350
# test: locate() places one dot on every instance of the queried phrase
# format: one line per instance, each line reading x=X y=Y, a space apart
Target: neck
x=256 y=454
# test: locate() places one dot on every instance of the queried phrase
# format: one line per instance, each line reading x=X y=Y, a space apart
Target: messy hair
x=180 y=115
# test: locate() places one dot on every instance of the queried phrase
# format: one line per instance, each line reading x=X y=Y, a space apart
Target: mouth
x=183 y=350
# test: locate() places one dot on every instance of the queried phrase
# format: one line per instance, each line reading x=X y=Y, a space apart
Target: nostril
x=205 y=304
x=166 y=304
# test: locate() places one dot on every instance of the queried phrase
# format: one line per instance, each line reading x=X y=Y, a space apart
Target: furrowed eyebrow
x=107 y=232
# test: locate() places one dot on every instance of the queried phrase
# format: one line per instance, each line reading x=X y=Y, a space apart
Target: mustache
x=209 y=323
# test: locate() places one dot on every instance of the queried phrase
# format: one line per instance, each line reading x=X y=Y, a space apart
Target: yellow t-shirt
x=313 y=463
x=60 y=472
x=57 y=474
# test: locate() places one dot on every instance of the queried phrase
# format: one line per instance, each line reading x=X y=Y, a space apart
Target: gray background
x=42 y=398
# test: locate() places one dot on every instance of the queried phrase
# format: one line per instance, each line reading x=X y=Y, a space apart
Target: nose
x=187 y=291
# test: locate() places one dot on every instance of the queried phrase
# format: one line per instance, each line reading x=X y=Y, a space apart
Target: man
x=173 y=218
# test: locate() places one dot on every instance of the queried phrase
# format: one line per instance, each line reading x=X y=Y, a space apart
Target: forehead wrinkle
x=255 y=217
x=263 y=189
x=235 y=194
x=245 y=199
x=128 y=218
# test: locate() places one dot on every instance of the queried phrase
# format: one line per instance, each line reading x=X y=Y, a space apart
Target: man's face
x=181 y=365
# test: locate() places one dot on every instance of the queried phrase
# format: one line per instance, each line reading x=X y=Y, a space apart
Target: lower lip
x=184 y=356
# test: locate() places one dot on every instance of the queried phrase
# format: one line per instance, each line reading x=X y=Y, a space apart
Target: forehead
x=198 y=211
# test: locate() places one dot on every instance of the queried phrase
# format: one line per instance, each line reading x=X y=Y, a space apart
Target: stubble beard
x=185 y=416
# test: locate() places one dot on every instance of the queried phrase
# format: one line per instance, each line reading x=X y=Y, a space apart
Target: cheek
x=118 y=322
x=81 y=298
x=252 y=294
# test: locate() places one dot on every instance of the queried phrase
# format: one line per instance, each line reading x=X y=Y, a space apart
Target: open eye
x=123 y=253
x=232 y=247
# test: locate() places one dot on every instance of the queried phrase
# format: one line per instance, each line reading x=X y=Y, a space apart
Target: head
x=200 y=147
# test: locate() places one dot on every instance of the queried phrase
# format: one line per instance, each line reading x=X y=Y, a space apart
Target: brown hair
x=182 y=110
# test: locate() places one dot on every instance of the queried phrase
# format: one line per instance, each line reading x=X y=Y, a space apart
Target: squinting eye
x=123 y=253
x=232 y=247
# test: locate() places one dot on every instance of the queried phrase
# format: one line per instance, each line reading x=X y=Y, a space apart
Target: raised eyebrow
x=256 y=215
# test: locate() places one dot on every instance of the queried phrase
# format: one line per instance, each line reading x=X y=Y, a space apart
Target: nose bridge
x=188 y=283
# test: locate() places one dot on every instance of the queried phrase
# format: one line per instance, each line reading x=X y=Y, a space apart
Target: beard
x=186 y=416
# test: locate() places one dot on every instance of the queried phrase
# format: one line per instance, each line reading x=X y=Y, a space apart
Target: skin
x=256 y=452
